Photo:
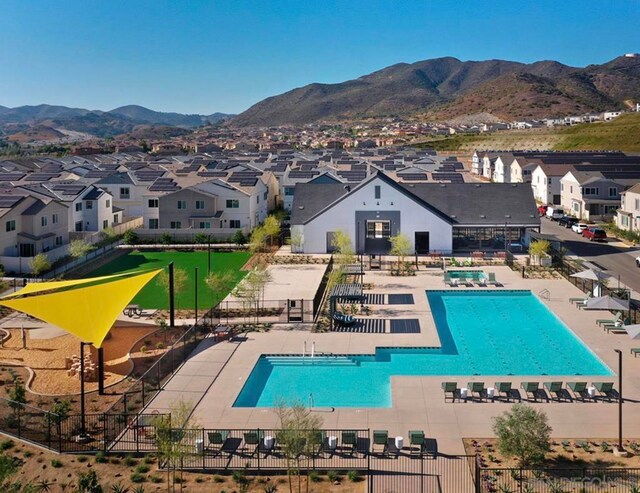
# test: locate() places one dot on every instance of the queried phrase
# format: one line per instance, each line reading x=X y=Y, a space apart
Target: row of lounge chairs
x=533 y=391
x=343 y=319
x=469 y=281
x=315 y=444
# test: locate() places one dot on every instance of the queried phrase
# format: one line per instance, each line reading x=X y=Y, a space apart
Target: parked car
x=542 y=210
x=579 y=227
x=567 y=221
x=554 y=213
x=596 y=234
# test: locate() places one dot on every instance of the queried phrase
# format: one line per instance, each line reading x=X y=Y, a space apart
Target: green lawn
x=154 y=296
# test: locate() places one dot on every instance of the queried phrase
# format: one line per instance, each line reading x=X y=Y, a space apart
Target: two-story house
x=594 y=195
x=628 y=215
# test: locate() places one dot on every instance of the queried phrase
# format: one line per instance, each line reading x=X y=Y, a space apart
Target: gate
x=406 y=474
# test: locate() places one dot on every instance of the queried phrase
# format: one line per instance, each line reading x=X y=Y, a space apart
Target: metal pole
x=209 y=256
x=196 y=296
x=619 y=399
x=172 y=318
x=101 y=371
x=83 y=428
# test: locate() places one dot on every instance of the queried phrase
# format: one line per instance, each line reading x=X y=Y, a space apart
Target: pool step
x=308 y=361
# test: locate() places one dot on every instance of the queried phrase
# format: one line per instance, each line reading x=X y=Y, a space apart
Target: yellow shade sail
x=42 y=287
x=87 y=310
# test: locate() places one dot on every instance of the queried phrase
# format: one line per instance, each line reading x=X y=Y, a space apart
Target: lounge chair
x=606 y=390
x=431 y=447
x=583 y=303
x=318 y=441
x=450 y=281
x=579 y=299
x=451 y=388
x=635 y=351
x=610 y=321
x=416 y=437
x=252 y=439
x=343 y=319
x=477 y=388
x=555 y=388
x=217 y=439
x=506 y=389
x=380 y=439
x=533 y=389
x=617 y=327
x=492 y=280
x=350 y=440
x=579 y=390
x=481 y=282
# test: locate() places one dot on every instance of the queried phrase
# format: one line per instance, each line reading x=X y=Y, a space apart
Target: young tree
x=299 y=434
x=523 y=432
x=539 y=248
x=79 y=248
x=400 y=247
x=220 y=283
x=271 y=228
x=130 y=237
x=258 y=239
x=39 y=264
x=239 y=238
x=173 y=436
x=180 y=279
x=297 y=241
x=343 y=249
x=252 y=287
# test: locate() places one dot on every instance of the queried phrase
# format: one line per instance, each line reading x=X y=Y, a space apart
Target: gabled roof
x=471 y=204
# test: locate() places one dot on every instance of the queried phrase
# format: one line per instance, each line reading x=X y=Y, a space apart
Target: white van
x=554 y=213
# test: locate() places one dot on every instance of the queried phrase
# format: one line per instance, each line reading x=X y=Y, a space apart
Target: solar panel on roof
x=414 y=176
x=68 y=189
x=248 y=183
x=7 y=201
x=98 y=174
x=11 y=176
x=41 y=176
x=164 y=188
x=303 y=174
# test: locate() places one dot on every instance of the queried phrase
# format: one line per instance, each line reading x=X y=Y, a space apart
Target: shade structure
x=633 y=331
x=592 y=275
x=86 y=308
x=606 y=303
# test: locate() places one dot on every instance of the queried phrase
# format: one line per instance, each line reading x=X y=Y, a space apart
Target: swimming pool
x=475 y=275
x=497 y=333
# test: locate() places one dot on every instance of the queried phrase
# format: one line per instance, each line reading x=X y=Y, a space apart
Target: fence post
x=478 y=477
x=59 y=427
x=258 y=450
x=204 y=448
x=521 y=480
x=49 y=429
x=421 y=459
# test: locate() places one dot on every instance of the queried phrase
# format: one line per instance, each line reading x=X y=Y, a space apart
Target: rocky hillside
x=446 y=88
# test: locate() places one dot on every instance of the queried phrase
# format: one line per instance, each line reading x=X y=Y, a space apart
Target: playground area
x=53 y=355
x=154 y=296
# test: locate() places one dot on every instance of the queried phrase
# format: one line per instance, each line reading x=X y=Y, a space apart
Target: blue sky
x=196 y=56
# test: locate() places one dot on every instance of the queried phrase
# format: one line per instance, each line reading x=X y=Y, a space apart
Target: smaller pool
x=475 y=275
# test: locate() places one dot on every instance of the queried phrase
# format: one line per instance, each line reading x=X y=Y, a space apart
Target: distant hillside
x=98 y=123
x=446 y=88
x=622 y=134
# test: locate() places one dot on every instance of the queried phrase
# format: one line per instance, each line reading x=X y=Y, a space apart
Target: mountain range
x=44 y=117
x=445 y=88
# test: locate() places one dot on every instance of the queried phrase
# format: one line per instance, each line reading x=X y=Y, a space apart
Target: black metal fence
x=240 y=312
x=556 y=480
x=444 y=473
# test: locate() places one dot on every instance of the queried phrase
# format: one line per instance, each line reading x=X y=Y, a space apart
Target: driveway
x=612 y=255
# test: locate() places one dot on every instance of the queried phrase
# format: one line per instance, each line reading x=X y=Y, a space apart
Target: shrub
x=333 y=476
x=100 y=458
x=88 y=483
x=115 y=461
x=55 y=463
x=523 y=432
x=129 y=461
x=156 y=479
x=239 y=238
x=82 y=458
x=7 y=444
x=354 y=476
x=160 y=345
x=166 y=238
x=200 y=238
x=148 y=459
x=142 y=469
x=131 y=237
x=314 y=476
x=143 y=349
x=218 y=479
x=137 y=478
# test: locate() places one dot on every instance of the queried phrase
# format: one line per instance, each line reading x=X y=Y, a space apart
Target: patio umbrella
x=607 y=303
x=633 y=331
x=592 y=275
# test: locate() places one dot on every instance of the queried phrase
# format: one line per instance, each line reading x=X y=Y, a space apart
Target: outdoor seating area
x=471 y=279
x=533 y=392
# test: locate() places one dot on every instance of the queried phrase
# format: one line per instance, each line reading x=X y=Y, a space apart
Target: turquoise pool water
x=475 y=275
x=493 y=333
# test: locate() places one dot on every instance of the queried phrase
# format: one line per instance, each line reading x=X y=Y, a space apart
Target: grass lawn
x=154 y=296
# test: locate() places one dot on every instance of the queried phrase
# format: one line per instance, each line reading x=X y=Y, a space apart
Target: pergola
x=86 y=308
x=347 y=292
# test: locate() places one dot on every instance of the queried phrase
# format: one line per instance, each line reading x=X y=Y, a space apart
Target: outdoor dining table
x=131 y=310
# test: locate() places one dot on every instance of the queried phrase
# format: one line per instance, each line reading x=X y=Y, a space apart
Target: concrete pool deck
x=418 y=401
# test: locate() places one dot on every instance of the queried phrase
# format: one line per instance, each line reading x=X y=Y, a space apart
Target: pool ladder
x=311 y=406
x=545 y=294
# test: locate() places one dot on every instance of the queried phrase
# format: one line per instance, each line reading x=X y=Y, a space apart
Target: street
x=612 y=256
